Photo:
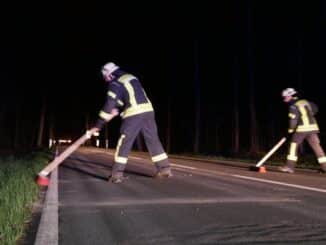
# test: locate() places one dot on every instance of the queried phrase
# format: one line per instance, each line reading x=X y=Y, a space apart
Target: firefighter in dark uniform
x=126 y=94
x=302 y=126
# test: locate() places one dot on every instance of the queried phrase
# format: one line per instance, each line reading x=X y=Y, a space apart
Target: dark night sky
x=57 y=50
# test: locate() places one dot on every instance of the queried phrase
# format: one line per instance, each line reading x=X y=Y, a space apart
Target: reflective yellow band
x=126 y=78
x=120 y=103
x=111 y=94
x=131 y=93
x=322 y=160
x=122 y=160
x=114 y=96
x=117 y=158
x=104 y=115
x=292 y=158
x=141 y=108
x=292 y=154
x=307 y=128
x=304 y=116
x=160 y=157
x=291 y=115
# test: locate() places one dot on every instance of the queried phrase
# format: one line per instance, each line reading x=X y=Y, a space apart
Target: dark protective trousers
x=130 y=128
x=297 y=140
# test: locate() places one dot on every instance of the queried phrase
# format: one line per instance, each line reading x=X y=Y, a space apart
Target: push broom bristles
x=42 y=181
x=258 y=169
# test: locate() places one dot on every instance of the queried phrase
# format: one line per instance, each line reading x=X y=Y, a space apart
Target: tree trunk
x=171 y=93
x=51 y=129
x=236 y=126
x=41 y=124
x=106 y=136
x=236 y=78
x=197 y=97
x=217 y=139
x=87 y=127
x=16 y=141
x=168 y=128
x=300 y=54
x=2 y=117
x=254 y=143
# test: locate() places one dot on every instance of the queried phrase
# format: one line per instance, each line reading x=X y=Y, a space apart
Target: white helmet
x=108 y=68
x=288 y=92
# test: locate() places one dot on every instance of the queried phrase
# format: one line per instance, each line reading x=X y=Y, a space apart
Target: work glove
x=93 y=131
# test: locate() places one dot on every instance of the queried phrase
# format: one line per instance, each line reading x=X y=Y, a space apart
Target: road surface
x=204 y=203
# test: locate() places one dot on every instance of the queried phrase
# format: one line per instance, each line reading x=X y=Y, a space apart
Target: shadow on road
x=95 y=168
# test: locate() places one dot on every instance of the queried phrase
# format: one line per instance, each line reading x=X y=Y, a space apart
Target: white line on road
x=183 y=201
x=181 y=166
x=281 y=183
x=137 y=158
x=47 y=232
x=248 y=178
x=253 y=179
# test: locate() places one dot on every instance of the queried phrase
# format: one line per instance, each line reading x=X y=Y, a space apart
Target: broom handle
x=278 y=145
x=52 y=165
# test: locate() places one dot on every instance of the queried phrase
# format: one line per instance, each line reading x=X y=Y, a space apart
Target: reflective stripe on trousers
x=314 y=142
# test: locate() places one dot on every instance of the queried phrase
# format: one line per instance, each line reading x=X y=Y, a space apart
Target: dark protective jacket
x=125 y=93
x=302 y=116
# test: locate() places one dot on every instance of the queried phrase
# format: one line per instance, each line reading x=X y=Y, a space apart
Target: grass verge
x=18 y=192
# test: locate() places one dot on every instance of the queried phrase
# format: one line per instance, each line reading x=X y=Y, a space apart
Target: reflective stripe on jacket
x=301 y=117
x=127 y=94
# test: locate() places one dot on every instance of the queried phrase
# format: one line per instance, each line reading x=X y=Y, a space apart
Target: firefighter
x=126 y=95
x=302 y=126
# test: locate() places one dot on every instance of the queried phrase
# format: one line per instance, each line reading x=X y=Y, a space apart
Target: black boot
x=117 y=173
x=164 y=173
x=163 y=169
x=288 y=168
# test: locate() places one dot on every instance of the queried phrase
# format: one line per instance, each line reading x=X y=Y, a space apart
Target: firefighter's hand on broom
x=95 y=130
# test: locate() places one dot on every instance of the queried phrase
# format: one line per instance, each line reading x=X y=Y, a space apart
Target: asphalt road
x=204 y=203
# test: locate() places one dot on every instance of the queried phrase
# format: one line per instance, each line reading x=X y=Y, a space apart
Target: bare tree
x=254 y=142
x=171 y=93
x=236 y=78
x=236 y=118
x=106 y=135
x=168 y=128
x=87 y=126
x=197 y=97
x=51 y=123
x=2 y=117
x=17 y=131
x=41 y=123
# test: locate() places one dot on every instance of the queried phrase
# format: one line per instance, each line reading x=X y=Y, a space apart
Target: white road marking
x=281 y=183
x=248 y=178
x=137 y=158
x=47 y=232
x=183 y=201
x=302 y=187
x=181 y=166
